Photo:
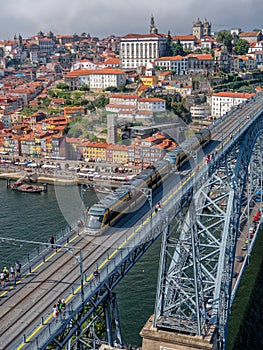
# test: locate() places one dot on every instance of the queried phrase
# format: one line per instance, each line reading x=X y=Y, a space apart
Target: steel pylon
x=198 y=249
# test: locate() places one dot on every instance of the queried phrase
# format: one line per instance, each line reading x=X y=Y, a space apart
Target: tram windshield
x=94 y=221
x=95 y=217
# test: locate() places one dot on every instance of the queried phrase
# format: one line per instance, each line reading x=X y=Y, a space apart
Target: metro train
x=112 y=207
x=124 y=199
x=182 y=153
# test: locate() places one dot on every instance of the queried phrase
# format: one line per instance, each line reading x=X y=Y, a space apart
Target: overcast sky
x=103 y=17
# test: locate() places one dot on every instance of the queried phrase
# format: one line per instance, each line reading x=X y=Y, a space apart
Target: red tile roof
x=201 y=56
x=184 y=37
x=129 y=97
x=233 y=94
x=249 y=34
x=150 y=99
x=141 y=36
x=81 y=72
x=170 y=58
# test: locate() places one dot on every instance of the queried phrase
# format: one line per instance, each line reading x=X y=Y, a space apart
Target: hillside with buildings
x=59 y=93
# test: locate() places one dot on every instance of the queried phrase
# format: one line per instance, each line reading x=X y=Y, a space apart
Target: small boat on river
x=29 y=188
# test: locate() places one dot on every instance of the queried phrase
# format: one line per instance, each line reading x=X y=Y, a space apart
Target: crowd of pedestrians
x=59 y=309
x=11 y=274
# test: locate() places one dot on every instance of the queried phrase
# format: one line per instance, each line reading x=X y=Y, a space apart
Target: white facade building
x=256 y=46
x=133 y=106
x=187 y=41
x=151 y=104
x=139 y=49
x=258 y=57
x=101 y=79
x=200 y=112
x=98 y=79
x=178 y=63
x=84 y=64
x=222 y=102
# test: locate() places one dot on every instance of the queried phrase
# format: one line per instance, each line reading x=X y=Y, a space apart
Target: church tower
x=207 y=28
x=153 y=29
x=198 y=30
x=20 y=40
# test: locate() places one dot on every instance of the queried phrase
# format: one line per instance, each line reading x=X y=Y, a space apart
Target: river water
x=34 y=217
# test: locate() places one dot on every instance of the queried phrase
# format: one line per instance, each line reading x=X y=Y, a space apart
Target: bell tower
x=153 y=29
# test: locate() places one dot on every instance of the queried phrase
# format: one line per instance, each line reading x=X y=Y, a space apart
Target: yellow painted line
x=42 y=263
x=113 y=253
x=37 y=267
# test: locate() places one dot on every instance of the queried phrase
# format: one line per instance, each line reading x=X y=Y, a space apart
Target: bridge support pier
x=112 y=321
x=153 y=339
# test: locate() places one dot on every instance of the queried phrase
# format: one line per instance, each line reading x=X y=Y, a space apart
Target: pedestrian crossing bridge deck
x=67 y=271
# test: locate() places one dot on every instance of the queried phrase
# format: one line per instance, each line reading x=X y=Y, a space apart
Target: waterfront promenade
x=69 y=172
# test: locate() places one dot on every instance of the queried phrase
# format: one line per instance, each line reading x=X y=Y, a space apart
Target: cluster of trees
x=75 y=98
x=241 y=46
x=176 y=109
x=224 y=37
x=85 y=127
x=174 y=49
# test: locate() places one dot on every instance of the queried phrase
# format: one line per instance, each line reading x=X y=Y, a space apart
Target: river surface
x=34 y=217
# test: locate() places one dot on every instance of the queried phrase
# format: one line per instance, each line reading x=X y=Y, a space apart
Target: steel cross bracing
x=189 y=256
x=198 y=250
x=79 y=322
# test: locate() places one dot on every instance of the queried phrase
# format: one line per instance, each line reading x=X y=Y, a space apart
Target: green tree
x=111 y=88
x=84 y=88
x=169 y=51
x=90 y=106
x=242 y=47
x=122 y=88
x=101 y=101
x=225 y=38
x=179 y=109
x=62 y=86
x=77 y=95
x=29 y=110
x=177 y=49
x=52 y=94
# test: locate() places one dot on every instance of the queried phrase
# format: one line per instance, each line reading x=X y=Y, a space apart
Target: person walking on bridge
x=52 y=241
x=6 y=274
x=62 y=307
x=95 y=275
x=55 y=312
x=2 y=279
x=12 y=271
x=157 y=207
x=18 y=268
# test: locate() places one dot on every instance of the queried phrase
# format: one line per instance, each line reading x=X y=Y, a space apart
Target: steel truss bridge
x=206 y=213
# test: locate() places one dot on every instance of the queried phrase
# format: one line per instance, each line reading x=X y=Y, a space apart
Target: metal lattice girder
x=190 y=279
x=197 y=253
x=196 y=267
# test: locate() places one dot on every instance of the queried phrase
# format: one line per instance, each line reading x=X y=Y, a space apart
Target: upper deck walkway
x=67 y=272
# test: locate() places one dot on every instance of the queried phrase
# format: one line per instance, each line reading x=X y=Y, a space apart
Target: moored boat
x=29 y=188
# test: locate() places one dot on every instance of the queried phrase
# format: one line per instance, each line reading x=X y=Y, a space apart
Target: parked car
x=244 y=246
x=235 y=274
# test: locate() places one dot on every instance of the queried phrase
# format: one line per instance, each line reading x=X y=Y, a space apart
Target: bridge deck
x=35 y=293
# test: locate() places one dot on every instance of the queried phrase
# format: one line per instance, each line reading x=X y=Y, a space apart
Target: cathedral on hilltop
x=201 y=29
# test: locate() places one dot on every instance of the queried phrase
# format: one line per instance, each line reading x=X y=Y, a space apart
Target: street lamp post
x=79 y=260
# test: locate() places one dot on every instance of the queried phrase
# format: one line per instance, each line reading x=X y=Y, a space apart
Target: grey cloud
x=103 y=17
